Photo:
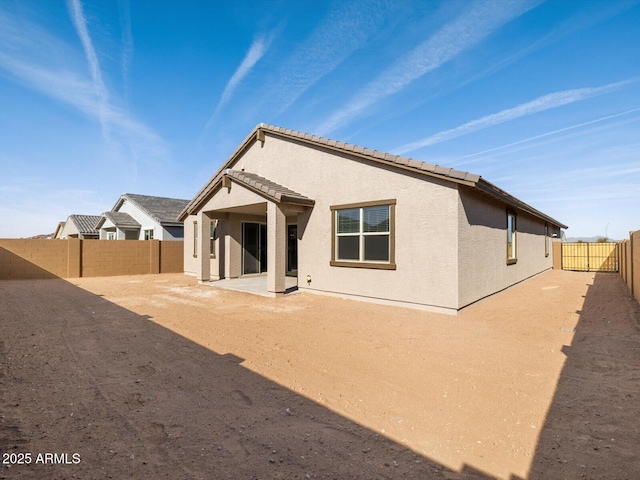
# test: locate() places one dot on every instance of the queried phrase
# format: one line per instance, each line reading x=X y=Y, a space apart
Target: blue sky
x=100 y=98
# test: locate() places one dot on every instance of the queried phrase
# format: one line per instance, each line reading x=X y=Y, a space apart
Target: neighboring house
x=78 y=226
x=59 y=228
x=143 y=217
x=359 y=223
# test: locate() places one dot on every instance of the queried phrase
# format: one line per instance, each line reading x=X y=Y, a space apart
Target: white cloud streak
x=127 y=46
x=543 y=135
x=540 y=104
x=256 y=52
x=80 y=24
x=39 y=61
x=466 y=31
x=338 y=35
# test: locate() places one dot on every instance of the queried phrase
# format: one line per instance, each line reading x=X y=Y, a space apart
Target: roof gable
x=262 y=130
x=163 y=210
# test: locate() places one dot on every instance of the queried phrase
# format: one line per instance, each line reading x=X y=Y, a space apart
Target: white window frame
x=148 y=234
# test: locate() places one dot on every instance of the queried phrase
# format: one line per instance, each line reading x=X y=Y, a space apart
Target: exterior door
x=292 y=250
x=254 y=248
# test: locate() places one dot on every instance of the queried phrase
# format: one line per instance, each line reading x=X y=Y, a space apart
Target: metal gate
x=590 y=257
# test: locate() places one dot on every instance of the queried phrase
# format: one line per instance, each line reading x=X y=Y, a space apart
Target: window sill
x=370 y=265
x=512 y=261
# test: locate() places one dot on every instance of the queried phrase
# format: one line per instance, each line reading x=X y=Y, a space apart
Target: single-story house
x=363 y=224
x=143 y=217
x=78 y=226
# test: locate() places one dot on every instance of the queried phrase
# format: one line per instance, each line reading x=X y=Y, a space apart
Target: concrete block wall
x=171 y=257
x=103 y=258
x=557 y=255
x=629 y=263
x=73 y=258
x=635 y=264
x=33 y=258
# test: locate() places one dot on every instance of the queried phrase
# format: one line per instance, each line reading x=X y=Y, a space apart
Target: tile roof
x=163 y=210
x=374 y=156
x=120 y=219
x=274 y=191
x=86 y=224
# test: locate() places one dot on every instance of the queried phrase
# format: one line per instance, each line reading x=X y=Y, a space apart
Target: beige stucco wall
x=191 y=261
x=482 y=248
x=426 y=222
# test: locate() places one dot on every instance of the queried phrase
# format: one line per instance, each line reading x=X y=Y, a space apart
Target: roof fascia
x=210 y=187
x=283 y=198
x=496 y=192
x=101 y=221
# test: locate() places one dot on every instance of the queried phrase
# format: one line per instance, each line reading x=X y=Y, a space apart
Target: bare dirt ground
x=156 y=376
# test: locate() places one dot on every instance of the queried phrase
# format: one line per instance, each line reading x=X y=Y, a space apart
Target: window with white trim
x=363 y=235
x=148 y=234
x=111 y=235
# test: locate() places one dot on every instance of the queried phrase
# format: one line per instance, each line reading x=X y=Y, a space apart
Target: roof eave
x=210 y=186
x=496 y=192
x=257 y=135
x=376 y=159
x=100 y=222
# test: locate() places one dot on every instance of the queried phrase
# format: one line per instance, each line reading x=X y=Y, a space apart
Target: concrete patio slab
x=255 y=284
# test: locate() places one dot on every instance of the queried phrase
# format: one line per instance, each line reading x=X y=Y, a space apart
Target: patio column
x=204 y=257
x=233 y=248
x=276 y=249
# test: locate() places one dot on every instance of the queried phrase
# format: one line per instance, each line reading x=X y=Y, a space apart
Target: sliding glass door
x=254 y=248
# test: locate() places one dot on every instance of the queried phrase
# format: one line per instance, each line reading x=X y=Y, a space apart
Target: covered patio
x=254 y=246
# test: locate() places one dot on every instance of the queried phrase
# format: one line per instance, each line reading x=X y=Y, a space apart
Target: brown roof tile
x=274 y=191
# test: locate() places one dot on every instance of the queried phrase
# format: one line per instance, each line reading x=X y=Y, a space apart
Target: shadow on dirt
x=135 y=400
x=592 y=429
x=79 y=374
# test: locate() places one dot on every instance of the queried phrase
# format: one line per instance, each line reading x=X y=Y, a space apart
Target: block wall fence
x=73 y=258
x=630 y=263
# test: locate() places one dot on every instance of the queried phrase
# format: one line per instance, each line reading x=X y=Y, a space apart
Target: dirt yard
x=155 y=376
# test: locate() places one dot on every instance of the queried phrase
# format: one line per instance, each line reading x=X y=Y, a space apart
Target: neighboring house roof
x=163 y=210
x=86 y=224
x=59 y=229
x=119 y=219
x=270 y=189
x=367 y=154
